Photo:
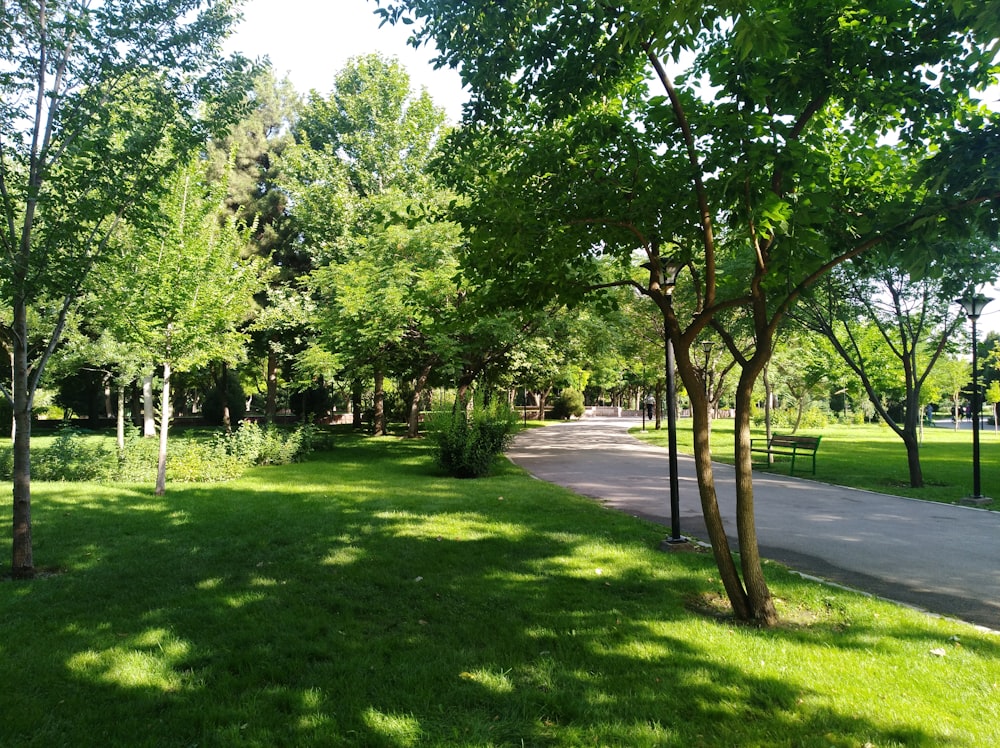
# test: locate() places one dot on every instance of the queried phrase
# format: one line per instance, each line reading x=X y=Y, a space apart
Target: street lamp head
x=973 y=304
x=669 y=269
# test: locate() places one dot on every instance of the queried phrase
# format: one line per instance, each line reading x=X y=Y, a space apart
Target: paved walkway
x=942 y=558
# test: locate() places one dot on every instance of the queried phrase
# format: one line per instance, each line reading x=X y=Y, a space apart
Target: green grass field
x=363 y=599
x=872 y=457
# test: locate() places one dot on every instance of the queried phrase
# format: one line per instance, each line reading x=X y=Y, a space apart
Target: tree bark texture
x=759 y=598
x=22 y=558
x=413 y=422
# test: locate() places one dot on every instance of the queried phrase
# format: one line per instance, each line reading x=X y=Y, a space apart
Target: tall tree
x=250 y=159
x=914 y=320
x=97 y=100
x=367 y=207
x=729 y=168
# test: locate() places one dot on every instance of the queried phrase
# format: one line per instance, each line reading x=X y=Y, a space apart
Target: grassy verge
x=871 y=457
x=362 y=599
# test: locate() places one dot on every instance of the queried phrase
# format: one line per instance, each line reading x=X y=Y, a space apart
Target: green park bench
x=786 y=445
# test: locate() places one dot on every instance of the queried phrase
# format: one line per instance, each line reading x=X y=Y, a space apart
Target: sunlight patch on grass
x=345 y=556
x=401 y=730
x=463 y=526
x=497 y=681
x=313 y=716
x=244 y=599
x=134 y=668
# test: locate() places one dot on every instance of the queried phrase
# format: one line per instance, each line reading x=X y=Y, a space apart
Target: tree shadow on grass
x=245 y=614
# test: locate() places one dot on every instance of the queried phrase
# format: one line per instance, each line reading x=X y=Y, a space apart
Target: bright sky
x=310 y=40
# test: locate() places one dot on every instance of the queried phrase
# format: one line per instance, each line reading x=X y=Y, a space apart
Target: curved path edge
x=938 y=557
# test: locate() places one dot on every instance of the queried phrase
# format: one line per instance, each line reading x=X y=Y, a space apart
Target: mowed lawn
x=871 y=456
x=364 y=599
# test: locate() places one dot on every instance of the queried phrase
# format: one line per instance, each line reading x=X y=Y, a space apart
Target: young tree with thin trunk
x=180 y=291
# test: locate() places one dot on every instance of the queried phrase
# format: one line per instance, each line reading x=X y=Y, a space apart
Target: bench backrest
x=787 y=440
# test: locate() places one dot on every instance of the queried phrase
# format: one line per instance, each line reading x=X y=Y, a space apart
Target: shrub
x=468 y=445
x=73 y=457
x=270 y=445
x=568 y=404
x=76 y=456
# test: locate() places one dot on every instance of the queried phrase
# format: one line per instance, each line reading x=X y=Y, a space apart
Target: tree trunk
x=543 y=397
x=413 y=422
x=378 y=424
x=108 y=407
x=706 y=491
x=161 y=465
x=120 y=421
x=22 y=559
x=271 y=406
x=913 y=459
x=148 y=415
x=227 y=421
x=759 y=599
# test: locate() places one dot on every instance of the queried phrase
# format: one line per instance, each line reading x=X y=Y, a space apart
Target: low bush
x=568 y=405
x=73 y=457
x=468 y=444
x=79 y=456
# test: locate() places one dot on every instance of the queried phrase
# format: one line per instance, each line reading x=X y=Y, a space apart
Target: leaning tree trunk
x=22 y=559
x=706 y=490
x=759 y=598
x=161 y=465
x=413 y=422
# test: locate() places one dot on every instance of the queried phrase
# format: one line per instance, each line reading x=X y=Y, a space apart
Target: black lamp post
x=973 y=304
x=670 y=272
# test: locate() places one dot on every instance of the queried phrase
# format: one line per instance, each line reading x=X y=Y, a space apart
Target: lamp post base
x=976 y=501
x=675 y=544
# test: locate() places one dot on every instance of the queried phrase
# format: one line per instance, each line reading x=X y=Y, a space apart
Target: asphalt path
x=938 y=557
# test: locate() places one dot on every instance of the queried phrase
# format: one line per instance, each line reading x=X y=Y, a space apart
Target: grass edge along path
x=363 y=599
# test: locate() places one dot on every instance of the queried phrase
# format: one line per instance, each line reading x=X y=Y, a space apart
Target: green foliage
x=271 y=445
x=569 y=404
x=75 y=455
x=468 y=444
x=72 y=457
x=235 y=398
